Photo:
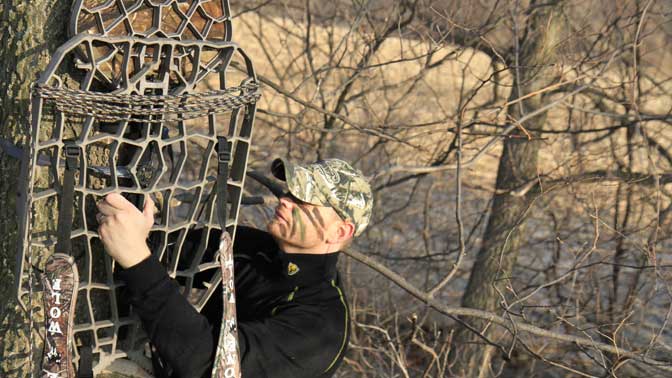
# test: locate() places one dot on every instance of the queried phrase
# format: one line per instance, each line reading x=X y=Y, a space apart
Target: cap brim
x=279 y=169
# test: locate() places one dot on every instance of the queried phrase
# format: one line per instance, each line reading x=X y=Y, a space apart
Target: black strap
x=11 y=149
x=223 y=159
x=85 y=363
x=18 y=153
x=67 y=203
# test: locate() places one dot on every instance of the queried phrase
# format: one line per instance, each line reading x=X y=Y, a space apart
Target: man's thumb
x=148 y=211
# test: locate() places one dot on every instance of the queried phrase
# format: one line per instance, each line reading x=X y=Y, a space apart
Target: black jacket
x=291 y=323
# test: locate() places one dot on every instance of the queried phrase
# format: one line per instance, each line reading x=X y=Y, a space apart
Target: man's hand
x=124 y=229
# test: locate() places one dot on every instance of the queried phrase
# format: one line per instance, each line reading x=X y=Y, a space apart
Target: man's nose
x=286 y=201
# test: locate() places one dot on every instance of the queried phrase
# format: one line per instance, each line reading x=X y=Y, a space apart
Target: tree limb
x=501 y=321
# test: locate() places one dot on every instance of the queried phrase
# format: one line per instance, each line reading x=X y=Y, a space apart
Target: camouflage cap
x=330 y=182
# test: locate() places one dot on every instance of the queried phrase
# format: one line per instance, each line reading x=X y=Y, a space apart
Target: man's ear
x=344 y=232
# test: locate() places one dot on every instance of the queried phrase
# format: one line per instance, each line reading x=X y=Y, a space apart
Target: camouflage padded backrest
x=143 y=89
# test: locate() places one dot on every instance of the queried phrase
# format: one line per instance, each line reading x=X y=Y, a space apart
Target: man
x=293 y=318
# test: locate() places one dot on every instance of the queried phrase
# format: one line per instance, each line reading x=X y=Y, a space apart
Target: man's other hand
x=124 y=229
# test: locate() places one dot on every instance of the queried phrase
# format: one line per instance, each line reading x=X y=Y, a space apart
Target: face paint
x=296 y=214
x=318 y=216
x=283 y=230
x=303 y=230
x=312 y=220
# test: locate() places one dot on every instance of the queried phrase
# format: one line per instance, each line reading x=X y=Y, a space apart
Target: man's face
x=297 y=225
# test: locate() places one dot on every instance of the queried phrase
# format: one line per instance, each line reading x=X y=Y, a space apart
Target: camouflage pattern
x=16 y=343
x=60 y=281
x=227 y=356
x=330 y=182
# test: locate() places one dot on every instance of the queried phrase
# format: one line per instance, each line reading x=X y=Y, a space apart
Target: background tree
x=534 y=66
x=29 y=32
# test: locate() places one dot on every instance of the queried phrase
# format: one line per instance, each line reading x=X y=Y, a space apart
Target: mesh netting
x=155 y=109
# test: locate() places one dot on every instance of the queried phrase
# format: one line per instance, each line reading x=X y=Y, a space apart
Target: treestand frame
x=143 y=89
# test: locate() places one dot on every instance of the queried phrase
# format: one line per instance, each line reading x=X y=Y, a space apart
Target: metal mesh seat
x=145 y=106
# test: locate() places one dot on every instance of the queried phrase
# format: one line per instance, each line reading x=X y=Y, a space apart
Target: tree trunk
x=30 y=32
x=505 y=231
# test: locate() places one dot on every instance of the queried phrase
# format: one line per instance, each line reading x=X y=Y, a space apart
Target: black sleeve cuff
x=144 y=275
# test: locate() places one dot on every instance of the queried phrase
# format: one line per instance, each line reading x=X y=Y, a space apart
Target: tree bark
x=30 y=31
x=490 y=276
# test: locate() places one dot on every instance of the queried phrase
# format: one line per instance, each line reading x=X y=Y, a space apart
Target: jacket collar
x=302 y=269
